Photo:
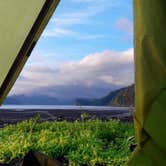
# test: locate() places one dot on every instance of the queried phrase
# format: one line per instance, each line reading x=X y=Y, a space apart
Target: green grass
x=79 y=143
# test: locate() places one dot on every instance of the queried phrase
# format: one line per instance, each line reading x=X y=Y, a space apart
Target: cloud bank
x=92 y=76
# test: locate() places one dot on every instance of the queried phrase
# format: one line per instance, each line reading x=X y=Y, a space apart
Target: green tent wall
x=21 y=24
x=150 y=77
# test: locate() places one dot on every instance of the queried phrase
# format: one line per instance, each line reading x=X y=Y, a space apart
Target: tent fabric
x=150 y=76
x=22 y=23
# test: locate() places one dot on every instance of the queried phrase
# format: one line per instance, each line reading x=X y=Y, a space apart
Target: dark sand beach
x=12 y=116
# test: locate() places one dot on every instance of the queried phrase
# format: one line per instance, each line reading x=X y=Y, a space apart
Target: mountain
x=31 y=100
x=120 y=97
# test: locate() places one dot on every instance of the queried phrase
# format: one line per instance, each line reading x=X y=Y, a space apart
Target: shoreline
x=13 y=116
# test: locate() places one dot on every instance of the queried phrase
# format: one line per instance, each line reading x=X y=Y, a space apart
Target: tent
x=19 y=33
x=21 y=24
x=150 y=78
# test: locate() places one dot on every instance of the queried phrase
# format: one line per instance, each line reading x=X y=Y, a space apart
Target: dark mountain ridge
x=31 y=100
x=120 y=97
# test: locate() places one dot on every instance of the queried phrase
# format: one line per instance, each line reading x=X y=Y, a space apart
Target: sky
x=86 y=50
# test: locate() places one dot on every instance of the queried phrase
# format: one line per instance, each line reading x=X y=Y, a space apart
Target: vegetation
x=123 y=97
x=79 y=143
x=120 y=97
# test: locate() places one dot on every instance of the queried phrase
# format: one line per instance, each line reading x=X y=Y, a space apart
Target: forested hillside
x=120 y=97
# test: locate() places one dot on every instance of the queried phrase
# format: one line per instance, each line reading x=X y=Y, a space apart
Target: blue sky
x=82 y=34
x=79 y=28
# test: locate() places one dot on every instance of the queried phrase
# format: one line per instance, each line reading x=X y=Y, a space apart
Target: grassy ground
x=78 y=143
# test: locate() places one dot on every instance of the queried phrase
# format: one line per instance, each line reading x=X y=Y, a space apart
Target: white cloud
x=103 y=69
x=85 y=1
x=95 y=2
x=126 y=26
x=58 y=32
x=62 y=24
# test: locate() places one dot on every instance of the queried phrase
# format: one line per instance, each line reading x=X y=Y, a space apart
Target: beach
x=15 y=115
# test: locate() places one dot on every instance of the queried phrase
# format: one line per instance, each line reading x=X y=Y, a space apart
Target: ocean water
x=63 y=107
